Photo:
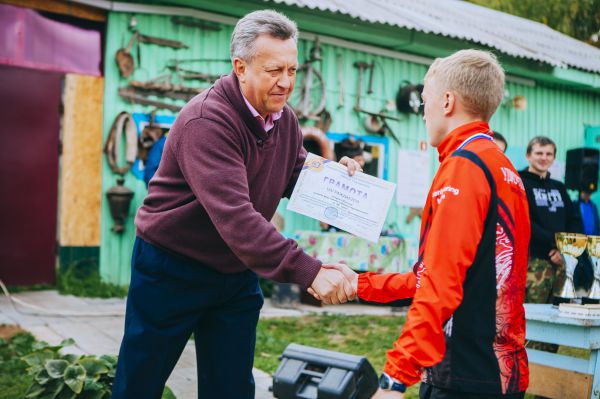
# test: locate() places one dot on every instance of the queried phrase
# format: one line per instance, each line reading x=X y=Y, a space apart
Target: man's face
x=540 y=158
x=433 y=111
x=268 y=80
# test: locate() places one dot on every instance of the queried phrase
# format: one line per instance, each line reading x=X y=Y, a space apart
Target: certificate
x=357 y=204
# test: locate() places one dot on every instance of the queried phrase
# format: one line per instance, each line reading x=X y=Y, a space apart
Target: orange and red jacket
x=465 y=329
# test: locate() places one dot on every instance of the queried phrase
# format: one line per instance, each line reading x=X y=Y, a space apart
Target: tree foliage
x=577 y=18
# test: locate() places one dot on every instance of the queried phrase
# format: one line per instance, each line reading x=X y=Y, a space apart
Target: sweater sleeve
x=297 y=169
x=212 y=162
x=457 y=221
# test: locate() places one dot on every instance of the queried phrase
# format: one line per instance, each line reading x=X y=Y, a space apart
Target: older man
x=203 y=232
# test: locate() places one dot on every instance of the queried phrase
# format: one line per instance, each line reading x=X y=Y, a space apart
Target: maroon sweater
x=219 y=183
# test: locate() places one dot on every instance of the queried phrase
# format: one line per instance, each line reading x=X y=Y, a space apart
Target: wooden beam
x=81 y=162
x=557 y=383
x=62 y=7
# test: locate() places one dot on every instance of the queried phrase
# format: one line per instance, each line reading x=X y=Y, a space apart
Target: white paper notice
x=357 y=204
x=414 y=168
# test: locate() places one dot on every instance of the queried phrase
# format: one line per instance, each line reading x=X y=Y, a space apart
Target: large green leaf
x=38 y=358
x=92 y=385
x=42 y=377
x=71 y=358
x=67 y=342
x=93 y=366
x=56 y=368
x=109 y=360
x=53 y=389
x=74 y=377
x=34 y=391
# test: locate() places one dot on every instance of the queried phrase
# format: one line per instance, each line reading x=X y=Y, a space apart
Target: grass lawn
x=369 y=336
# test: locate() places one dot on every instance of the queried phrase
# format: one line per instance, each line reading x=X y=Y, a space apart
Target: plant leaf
x=42 y=377
x=56 y=368
x=74 y=377
x=67 y=342
x=38 y=358
x=34 y=391
x=53 y=389
x=92 y=385
x=109 y=360
x=93 y=366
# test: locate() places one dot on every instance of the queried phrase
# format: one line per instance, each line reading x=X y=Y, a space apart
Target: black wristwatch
x=387 y=383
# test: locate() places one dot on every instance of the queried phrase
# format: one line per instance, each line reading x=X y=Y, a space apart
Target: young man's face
x=433 y=111
x=268 y=80
x=540 y=158
x=500 y=144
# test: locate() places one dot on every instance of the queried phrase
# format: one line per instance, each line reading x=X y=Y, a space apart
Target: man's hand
x=381 y=394
x=331 y=286
x=556 y=257
x=351 y=164
x=350 y=274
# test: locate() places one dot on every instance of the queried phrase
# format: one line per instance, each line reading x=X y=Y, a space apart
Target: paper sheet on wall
x=414 y=170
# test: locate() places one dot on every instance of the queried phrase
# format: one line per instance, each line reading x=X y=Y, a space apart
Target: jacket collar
x=456 y=137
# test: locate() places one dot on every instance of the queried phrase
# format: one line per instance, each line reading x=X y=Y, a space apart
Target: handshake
x=335 y=283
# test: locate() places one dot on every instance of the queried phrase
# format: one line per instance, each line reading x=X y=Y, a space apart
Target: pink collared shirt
x=271 y=118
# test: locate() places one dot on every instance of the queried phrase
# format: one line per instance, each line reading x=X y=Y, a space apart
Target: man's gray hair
x=257 y=23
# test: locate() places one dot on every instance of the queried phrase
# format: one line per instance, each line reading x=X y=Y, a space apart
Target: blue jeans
x=169 y=299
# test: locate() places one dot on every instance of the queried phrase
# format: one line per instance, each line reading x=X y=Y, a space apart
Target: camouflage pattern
x=544 y=279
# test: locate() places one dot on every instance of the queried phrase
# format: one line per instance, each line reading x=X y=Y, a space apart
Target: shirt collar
x=271 y=118
x=457 y=136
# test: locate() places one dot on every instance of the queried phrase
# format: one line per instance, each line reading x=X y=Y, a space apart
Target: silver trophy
x=571 y=246
x=593 y=247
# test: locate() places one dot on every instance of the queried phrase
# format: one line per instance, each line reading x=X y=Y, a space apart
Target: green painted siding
x=552 y=110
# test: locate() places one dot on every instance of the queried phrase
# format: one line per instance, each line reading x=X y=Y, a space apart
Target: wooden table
x=556 y=375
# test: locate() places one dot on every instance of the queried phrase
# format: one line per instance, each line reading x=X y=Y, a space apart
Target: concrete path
x=102 y=335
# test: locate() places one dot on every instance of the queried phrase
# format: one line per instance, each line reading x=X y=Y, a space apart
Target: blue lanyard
x=473 y=138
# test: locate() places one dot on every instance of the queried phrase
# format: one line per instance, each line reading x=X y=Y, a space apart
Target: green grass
x=83 y=279
x=370 y=336
x=574 y=352
x=14 y=379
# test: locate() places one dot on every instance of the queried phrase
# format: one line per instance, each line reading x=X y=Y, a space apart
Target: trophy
x=570 y=245
x=593 y=247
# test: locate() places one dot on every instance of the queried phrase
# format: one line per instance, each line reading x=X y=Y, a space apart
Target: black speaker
x=582 y=169
x=311 y=373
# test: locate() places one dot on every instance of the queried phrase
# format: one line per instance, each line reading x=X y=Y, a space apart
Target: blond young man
x=465 y=330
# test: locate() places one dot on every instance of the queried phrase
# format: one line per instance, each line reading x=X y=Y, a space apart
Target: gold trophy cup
x=571 y=246
x=593 y=247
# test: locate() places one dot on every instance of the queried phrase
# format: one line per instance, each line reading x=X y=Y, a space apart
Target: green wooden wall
x=558 y=112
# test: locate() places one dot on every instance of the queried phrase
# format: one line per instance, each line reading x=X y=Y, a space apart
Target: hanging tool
x=124 y=58
x=195 y=23
x=341 y=93
x=162 y=42
x=134 y=97
x=378 y=116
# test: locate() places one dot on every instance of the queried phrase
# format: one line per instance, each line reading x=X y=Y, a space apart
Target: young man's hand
x=381 y=394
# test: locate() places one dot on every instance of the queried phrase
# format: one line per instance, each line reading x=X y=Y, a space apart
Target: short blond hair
x=475 y=76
